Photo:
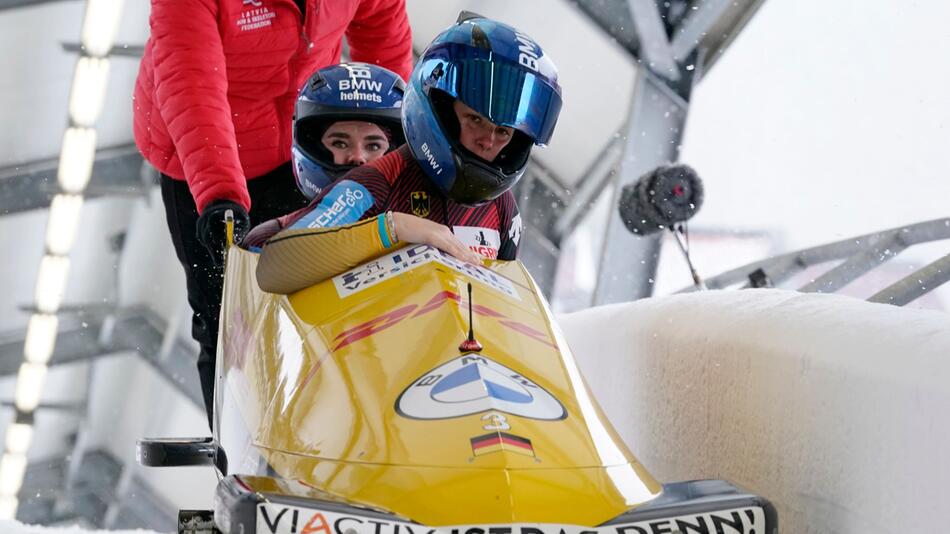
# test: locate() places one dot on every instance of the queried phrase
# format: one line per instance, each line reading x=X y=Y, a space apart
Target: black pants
x=272 y=195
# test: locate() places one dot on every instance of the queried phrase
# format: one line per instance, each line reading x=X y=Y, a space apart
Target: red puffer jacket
x=216 y=87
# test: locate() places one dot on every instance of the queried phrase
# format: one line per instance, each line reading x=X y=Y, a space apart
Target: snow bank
x=833 y=408
x=15 y=527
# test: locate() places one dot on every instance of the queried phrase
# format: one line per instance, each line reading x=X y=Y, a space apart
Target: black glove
x=212 y=231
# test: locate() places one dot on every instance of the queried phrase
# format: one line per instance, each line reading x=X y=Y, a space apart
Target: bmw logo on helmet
x=344 y=92
x=502 y=74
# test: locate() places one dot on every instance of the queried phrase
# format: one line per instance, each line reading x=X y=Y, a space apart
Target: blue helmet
x=499 y=72
x=344 y=92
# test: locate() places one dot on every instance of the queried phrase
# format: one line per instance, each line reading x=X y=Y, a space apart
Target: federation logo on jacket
x=255 y=16
x=472 y=384
x=419 y=202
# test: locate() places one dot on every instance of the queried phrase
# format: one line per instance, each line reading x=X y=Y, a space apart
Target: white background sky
x=826 y=120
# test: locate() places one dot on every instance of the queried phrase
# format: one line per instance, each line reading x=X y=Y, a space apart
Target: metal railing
x=860 y=254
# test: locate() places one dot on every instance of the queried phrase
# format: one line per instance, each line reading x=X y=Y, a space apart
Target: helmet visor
x=508 y=94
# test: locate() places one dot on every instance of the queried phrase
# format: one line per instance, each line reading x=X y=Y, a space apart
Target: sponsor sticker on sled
x=411 y=257
x=274 y=518
x=472 y=384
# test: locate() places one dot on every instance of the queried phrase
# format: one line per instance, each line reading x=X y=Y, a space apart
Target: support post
x=654 y=132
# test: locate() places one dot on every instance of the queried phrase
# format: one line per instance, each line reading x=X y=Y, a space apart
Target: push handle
x=159 y=452
x=229 y=227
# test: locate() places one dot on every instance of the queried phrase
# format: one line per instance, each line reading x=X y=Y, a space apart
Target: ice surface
x=832 y=407
x=15 y=527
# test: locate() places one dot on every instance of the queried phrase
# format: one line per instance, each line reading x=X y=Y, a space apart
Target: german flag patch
x=501 y=441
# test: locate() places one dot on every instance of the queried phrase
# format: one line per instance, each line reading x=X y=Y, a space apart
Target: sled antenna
x=471 y=344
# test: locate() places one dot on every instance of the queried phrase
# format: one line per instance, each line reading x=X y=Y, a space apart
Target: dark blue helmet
x=502 y=74
x=344 y=92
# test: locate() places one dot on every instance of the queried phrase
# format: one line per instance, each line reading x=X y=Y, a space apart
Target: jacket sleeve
x=297 y=258
x=360 y=194
x=380 y=34
x=191 y=93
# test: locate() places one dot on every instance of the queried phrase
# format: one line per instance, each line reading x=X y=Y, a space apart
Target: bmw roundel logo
x=472 y=384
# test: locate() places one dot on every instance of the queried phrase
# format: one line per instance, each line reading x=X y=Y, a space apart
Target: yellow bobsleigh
x=417 y=394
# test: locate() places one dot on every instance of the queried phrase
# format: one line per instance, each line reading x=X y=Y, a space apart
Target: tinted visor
x=506 y=93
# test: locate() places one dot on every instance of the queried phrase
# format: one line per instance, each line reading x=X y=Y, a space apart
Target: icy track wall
x=833 y=408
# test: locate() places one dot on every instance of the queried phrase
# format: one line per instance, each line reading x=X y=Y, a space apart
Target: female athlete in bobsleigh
x=479 y=98
x=375 y=378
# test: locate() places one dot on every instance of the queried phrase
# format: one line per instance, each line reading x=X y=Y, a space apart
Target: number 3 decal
x=496 y=420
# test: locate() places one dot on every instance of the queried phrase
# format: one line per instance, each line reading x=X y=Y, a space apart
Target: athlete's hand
x=412 y=229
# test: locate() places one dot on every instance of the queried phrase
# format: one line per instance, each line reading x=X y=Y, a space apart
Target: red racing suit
x=214 y=98
x=395 y=182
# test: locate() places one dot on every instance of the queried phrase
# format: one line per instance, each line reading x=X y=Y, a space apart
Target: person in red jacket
x=213 y=108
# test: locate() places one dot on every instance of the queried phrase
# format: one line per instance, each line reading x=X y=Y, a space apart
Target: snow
x=831 y=407
x=15 y=527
